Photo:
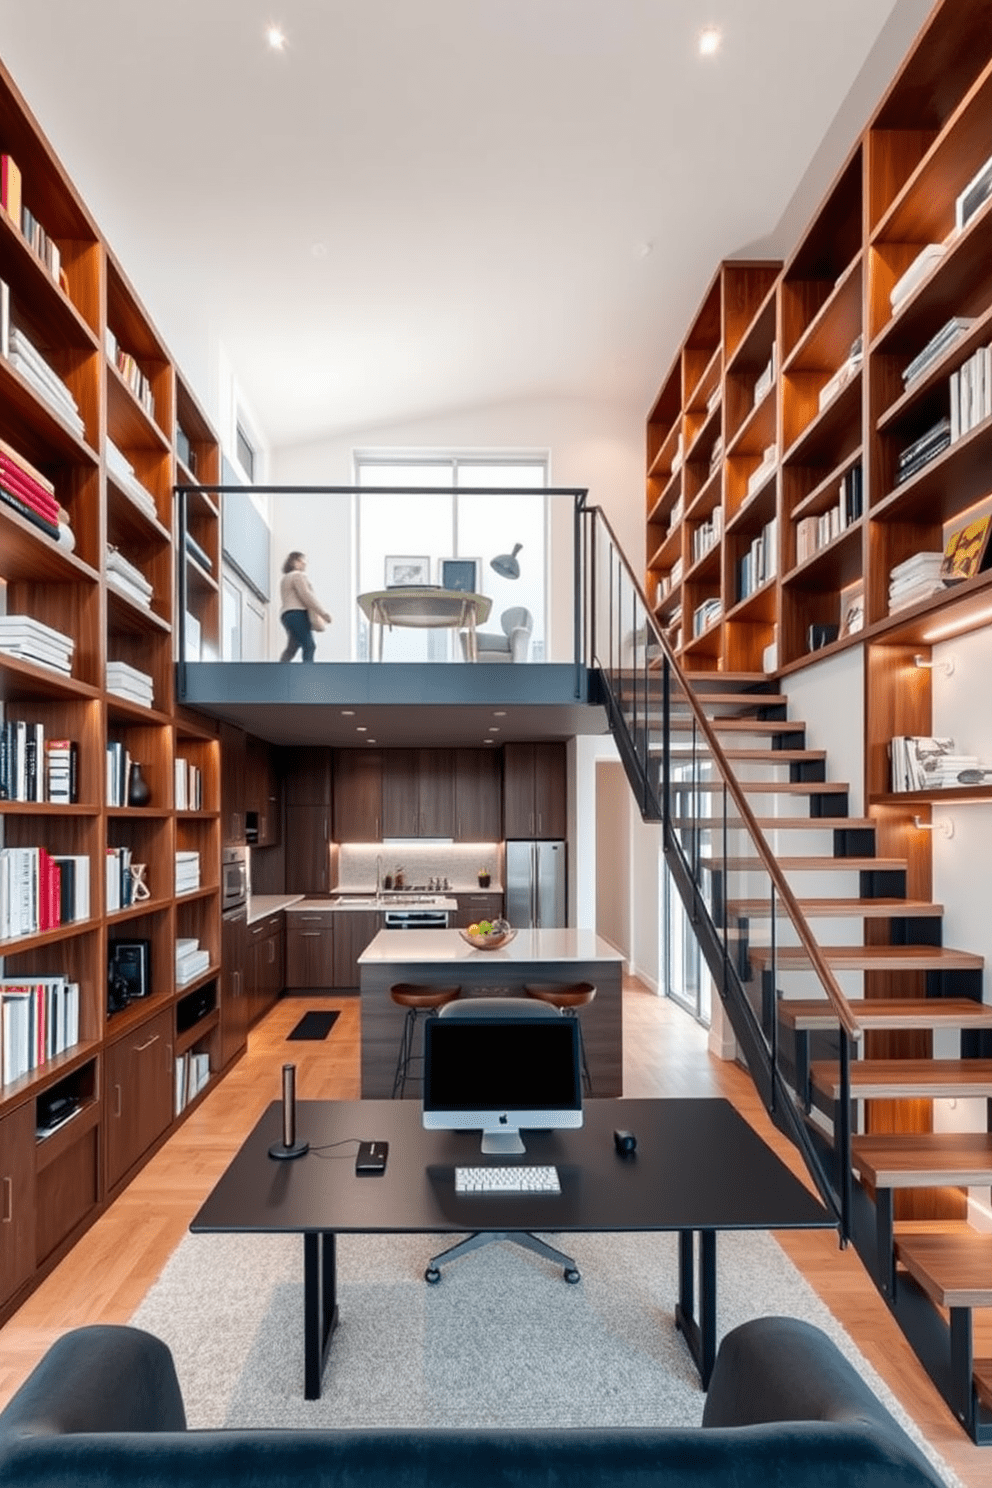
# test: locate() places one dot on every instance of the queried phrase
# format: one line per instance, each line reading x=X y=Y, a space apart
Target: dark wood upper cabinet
x=232 y=784
x=308 y=776
x=358 y=787
x=478 y=792
x=534 y=791
x=418 y=793
x=308 y=834
x=262 y=794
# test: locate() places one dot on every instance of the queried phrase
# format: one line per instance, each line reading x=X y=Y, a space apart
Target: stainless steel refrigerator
x=535 y=885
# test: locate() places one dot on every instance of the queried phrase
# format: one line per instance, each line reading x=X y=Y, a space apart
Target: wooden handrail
x=838 y=1001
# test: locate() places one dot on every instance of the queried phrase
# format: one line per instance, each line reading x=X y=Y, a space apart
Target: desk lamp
x=506 y=565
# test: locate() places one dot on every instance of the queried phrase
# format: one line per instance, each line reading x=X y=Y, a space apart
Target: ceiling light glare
x=276 y=37
x=709 y=41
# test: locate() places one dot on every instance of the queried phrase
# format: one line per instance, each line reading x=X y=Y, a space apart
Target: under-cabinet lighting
x=946 y=666
x=941 y=824
x=709 y=41
x=957 y=627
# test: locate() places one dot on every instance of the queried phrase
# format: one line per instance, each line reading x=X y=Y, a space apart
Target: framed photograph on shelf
x=967 y=551
x=852 y=611
x=405 y=573
x=974 y=196
x=459 y=573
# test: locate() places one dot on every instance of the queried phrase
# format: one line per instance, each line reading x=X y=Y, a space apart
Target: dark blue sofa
x=103 y=1409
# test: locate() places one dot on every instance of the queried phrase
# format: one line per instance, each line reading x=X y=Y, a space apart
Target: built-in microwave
x=234 y=877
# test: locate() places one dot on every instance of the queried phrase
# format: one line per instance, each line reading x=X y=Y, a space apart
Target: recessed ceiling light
x=709 y=41
x=276 y=37
x=499 y=712
x=489 y=741
x=319 y=250
x=347 y=712
x=370 y=741
x=493 y=728
x=360 y=728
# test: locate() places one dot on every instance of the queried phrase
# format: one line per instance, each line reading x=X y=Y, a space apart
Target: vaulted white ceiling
x=427 y=205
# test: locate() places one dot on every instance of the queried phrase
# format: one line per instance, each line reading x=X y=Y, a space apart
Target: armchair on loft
x=512 y=645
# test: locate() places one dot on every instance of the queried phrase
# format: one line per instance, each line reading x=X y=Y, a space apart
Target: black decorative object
x=138 y=792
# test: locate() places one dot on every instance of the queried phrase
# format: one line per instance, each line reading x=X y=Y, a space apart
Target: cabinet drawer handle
x=8 y=1200
x=118 y=1108
x=309 y=934
x=140 y=1048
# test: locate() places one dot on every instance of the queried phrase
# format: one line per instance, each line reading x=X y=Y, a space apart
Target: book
x=967 y=551
x=10 y=188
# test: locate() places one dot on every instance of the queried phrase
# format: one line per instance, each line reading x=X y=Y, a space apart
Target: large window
x=454 y=524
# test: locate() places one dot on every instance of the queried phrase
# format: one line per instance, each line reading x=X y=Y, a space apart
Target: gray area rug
x=502 y=1340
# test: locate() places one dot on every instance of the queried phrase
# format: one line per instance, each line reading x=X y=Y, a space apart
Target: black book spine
x=5 y=763
x=73 y=772
x=29 y=512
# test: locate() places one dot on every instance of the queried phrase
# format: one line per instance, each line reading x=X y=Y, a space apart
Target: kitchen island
x=442 y=956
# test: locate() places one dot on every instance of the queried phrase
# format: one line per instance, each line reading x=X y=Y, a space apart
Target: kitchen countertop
x=392 y=946
x=260 y=905
x=368 y=902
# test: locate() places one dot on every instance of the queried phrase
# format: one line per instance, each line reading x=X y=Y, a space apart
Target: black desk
x=698 y=1168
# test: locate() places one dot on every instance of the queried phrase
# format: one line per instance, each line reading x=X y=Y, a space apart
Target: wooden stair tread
x=809 y=1014
x=888 y=1079
x=812 y=864
x=873 y=958
x=868 y=909
x=741 y=725
x=734 y=679
x=779 y=823
x=955 y=1270
x=923 y=1159
x=769 y=756
x=792 y=787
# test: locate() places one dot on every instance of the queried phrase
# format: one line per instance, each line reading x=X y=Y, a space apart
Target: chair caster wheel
x=432 y=1276
x=572 y=1276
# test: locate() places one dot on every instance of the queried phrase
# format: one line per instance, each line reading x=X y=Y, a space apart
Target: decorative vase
x=138 y=793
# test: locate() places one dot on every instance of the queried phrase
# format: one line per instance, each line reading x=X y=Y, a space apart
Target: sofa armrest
x=97 y=1379
x=519 y=643
x=779 y=1369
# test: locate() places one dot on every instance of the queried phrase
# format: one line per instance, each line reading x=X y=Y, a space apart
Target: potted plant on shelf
x=484 y=878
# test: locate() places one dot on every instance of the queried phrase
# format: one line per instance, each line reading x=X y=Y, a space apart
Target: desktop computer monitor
x=500 y=1074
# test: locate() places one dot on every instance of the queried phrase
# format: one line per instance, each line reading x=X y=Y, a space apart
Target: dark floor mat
x=313 y=1026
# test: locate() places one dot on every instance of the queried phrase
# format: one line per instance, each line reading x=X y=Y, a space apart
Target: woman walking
x=300 y=609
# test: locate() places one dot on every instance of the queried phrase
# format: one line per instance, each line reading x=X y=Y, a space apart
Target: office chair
x=500 y=1007
x=512 y=645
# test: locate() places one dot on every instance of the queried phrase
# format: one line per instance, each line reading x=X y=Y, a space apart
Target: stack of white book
x=971 y=393
x=914 y=580
x=126 y=579
x=844 y=373
x=192 y=1073
x=758 y=476
x=922 y=763
x=191 y=960
x=44 y=379
x=22 y=635
x=122 y=471
x=189 y=785
x=187 y=872
x=127 y=682
x=923 y=264
x=39 y=1018
x=764 y=382
x=935 y=348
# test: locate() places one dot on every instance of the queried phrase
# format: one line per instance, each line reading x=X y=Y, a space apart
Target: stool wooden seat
x=418 y=999
x=568 y=997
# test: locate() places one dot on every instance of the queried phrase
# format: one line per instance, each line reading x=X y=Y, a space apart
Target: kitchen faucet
x=378 y=875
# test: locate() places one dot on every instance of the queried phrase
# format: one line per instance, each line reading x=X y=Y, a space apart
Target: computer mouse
x=625 y=1142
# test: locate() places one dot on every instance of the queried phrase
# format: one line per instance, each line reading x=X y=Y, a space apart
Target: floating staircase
x=911 y=984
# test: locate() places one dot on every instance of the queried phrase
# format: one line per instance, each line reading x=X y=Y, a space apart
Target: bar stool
x=416 y=999
x=568 y=997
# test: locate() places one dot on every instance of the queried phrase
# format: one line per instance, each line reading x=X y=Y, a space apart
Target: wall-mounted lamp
x=506 y=565
x=946 y=666
x=941 y=824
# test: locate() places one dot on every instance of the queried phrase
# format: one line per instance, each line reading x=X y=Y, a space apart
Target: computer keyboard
x=507 y=1180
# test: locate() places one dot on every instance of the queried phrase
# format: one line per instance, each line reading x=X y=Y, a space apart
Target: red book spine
x=55 y=894
x=18 y=481
x=45 y=866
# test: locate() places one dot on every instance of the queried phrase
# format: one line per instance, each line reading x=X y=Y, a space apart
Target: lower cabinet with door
x=309 y=948
x=354 y=929
x=140 y=1079
x=264 y=965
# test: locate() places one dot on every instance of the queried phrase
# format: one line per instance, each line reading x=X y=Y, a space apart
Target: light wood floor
x=108 y=1273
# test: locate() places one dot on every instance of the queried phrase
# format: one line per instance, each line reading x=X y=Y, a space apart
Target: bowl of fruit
x=488 y=935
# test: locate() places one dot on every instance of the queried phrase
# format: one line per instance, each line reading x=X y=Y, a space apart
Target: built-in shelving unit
x=75 y=1127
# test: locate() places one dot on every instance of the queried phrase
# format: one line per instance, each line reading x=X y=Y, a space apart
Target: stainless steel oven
x=233 y=877
x=416 y=919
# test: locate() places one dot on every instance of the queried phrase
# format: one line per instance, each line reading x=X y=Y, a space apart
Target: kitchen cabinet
x=233 y=744
x=418 y=793
x=478 y=795
x=357 y=792
x=534 y=791
x=307 y=772
x=262 y=795
x=17 y=1198
x=140 y=1080
x=475 y=907
x=264 y=965
x=354 y=929
x=308 y=835
x=234 y=992
x=310 y=948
